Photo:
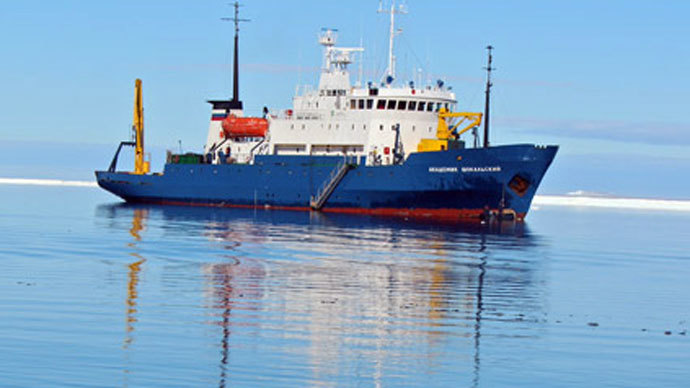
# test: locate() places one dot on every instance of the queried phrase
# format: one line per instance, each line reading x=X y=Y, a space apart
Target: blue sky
x=607 y=80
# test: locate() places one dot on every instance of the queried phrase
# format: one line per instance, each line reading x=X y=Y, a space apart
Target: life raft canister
x=234 y=126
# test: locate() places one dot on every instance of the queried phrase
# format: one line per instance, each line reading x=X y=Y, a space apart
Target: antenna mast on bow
x=488 y=69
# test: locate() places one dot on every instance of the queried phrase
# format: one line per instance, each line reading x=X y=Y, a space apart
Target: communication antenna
x=390 y=71
x=361 y=64
x=235 y=68
x=488 y=69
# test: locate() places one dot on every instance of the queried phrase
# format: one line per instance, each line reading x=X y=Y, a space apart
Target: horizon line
x=569 y=200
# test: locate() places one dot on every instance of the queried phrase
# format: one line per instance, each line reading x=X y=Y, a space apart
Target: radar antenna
x=235 y=68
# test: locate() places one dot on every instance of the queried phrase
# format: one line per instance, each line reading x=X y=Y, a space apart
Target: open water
x=94 y=292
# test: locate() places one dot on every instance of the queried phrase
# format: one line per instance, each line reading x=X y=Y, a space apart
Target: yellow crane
x=445 y=133
x=140 y=165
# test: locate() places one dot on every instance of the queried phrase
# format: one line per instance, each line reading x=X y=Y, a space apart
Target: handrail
x=331 y=176
x=113 y=163
x=328 y=186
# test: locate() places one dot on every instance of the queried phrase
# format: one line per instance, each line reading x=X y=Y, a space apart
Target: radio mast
x=488 y=97
x=235 y=67
x=390 y=71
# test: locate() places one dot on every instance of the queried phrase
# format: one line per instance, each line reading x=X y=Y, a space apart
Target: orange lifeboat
x=234 y=126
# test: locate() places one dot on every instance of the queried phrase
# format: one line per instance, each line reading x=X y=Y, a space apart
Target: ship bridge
x=375 y=121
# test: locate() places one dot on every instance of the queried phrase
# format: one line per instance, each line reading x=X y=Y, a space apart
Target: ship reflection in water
x=314 y=299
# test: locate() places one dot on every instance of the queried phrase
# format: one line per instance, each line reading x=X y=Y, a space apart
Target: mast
x=488 y=97
x=235 y=67
x=390 y=71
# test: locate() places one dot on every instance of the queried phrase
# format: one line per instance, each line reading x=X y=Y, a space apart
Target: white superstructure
x=377 y=120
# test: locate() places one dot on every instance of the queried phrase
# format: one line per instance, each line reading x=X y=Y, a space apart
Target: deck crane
x=140 y=165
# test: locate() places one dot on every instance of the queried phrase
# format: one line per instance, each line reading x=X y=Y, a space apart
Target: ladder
x=337 y=174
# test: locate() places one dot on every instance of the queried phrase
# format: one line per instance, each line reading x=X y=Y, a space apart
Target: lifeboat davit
x=234 y=126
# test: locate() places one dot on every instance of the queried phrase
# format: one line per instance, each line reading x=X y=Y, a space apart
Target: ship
x=380 y=148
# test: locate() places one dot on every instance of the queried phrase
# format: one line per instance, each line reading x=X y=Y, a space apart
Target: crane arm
x=140 y=166
x=445 y=132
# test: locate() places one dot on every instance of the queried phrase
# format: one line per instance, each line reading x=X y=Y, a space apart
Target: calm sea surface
x=97 y=293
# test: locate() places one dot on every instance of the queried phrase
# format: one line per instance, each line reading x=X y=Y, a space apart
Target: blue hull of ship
x=464 y=181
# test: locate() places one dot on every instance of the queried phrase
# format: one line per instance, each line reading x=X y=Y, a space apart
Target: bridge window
x=421 y=106
x=430 y=106
x=412 y=105
x=381 y=104
x=353 y=104
x=402 y=105
x=370 y=103
x=361 y=104
x=391 y=104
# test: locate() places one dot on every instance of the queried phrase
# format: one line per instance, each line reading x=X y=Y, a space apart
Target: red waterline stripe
x=423 y=213
x=444 y=214
x=218 y=118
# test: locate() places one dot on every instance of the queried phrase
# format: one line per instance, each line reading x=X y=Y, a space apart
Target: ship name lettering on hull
x=443 y=169
x=482 y=169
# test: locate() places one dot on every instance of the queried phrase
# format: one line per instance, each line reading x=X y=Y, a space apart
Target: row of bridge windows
x=419 y=106
x=332 y=92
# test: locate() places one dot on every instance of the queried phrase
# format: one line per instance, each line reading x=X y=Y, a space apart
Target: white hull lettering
x=482 y=169
x=443 y=169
